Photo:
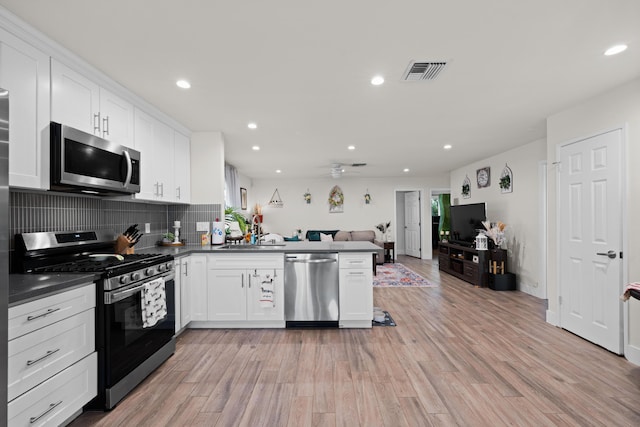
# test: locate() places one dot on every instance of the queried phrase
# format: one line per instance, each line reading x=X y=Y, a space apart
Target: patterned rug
x=397 y=275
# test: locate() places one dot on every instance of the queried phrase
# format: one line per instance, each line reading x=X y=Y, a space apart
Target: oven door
x=127 y=342
x=82 y=162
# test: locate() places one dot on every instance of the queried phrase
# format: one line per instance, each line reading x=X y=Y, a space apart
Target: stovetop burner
x=98 y=264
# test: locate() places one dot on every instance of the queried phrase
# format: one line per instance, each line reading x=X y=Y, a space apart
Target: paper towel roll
x=217 y=233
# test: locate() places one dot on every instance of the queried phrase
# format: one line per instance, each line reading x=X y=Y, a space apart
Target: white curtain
x=231 y=186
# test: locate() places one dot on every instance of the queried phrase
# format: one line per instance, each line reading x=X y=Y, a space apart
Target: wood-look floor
x=460 y=355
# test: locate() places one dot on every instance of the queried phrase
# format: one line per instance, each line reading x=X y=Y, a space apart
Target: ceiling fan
x=338 y=170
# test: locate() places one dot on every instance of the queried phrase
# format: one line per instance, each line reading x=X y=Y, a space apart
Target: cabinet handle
x=178 y=193
x=51 y=407
x=48 y=312
x=49 y=353
x=96 y=123
x=186 y=269
x=356 y=273
x=242 y=281
x=105 y=126
x=162 y=189
x=249 y=280
x=157 y=192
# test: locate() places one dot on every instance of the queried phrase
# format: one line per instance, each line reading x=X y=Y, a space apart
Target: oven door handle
x=111 y=298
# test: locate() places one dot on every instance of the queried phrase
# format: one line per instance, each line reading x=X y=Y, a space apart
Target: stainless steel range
x=131 y=340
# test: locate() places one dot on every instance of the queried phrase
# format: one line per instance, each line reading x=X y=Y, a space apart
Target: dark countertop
x=27 y=287
x=299 y=247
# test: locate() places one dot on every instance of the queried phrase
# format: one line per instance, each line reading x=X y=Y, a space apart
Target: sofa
x=349 y=236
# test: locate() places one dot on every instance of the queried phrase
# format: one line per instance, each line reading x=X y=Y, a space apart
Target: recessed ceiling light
x=447 y=147
x=351 y=147
x=377 y=80
x=405 y=170
x=613 y=50
x=252 y=126
x=278 y=171
x=255 y=148
x=183 y=84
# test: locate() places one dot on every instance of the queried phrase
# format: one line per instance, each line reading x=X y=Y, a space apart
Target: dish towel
x=154 y=302
x=266 y=292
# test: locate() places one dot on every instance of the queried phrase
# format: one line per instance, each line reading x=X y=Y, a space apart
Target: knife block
x=122 y=246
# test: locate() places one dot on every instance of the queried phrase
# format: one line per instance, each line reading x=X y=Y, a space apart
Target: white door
x=412 y=223
x=590 y=228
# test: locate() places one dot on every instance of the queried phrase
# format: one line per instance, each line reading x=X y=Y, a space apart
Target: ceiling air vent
x=417 y=71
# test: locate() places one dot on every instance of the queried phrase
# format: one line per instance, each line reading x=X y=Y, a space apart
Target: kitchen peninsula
x=217 y=286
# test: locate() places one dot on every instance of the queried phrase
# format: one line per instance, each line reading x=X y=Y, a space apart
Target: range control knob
x=169 y=266
x=135 y=276
x=148 y=272
x=124 y=280
x=162 y=268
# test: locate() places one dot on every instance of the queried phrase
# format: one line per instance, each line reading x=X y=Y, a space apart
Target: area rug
x=397 y=275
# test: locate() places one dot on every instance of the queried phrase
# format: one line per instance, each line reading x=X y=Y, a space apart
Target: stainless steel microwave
x=85 y=163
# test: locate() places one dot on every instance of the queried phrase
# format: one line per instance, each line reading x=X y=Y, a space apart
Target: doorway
x=409 y=219
x=590 y=225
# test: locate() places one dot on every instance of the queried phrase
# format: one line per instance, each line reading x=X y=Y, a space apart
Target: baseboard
x=632 y=354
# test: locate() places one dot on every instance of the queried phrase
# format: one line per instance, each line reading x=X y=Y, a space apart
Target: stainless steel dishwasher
x=311 y=289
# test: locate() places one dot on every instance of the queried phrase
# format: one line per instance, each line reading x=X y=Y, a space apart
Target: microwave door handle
x=127 y=180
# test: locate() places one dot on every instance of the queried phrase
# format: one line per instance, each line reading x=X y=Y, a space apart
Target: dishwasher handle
x=311 y=261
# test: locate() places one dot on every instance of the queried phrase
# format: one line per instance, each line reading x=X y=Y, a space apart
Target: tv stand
x=463 y=262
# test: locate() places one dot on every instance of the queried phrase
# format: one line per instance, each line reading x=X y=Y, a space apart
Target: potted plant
x=168 y=237
x=232 y=215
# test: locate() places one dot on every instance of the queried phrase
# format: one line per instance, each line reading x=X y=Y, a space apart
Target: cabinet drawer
x=28 y=317
x=58 y=398
x=356 y=260
x=470 y=270
x=218 y=261
x=34 y=357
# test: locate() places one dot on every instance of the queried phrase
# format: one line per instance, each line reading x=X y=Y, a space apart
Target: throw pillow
x=326 y=237
x=291 y=239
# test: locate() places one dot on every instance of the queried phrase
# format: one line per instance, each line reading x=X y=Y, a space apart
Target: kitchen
x=37 y=209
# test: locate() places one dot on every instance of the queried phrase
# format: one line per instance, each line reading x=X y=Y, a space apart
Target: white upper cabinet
x=24 y=72
x=182 y=167
x=165 y=157
x=116 y=118
x=80 y=103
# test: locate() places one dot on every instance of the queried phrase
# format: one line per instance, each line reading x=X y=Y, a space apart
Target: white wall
x=207 y=168
x=519 y=209
x=611 y=110
x=356 y=216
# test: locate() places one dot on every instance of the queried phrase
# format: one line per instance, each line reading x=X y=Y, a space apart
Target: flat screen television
x=465 y=220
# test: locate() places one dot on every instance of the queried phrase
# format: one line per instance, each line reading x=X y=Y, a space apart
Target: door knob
x=610 y=254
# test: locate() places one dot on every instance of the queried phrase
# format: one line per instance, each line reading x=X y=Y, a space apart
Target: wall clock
x=484 y=177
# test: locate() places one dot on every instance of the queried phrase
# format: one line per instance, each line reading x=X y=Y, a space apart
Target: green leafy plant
x=505 y=182
x=231 y=214
x=169 y=236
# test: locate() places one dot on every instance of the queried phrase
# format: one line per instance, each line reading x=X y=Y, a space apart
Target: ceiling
x=301 y=71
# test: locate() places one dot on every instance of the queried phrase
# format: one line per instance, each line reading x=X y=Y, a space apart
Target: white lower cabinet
x=198 y=285
x=182 y=292
x=52 y=363
x=356 y=290
x=185 y=290
x=236 y=294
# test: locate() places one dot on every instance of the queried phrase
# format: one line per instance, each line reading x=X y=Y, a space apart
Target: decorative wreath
x=336 y=198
